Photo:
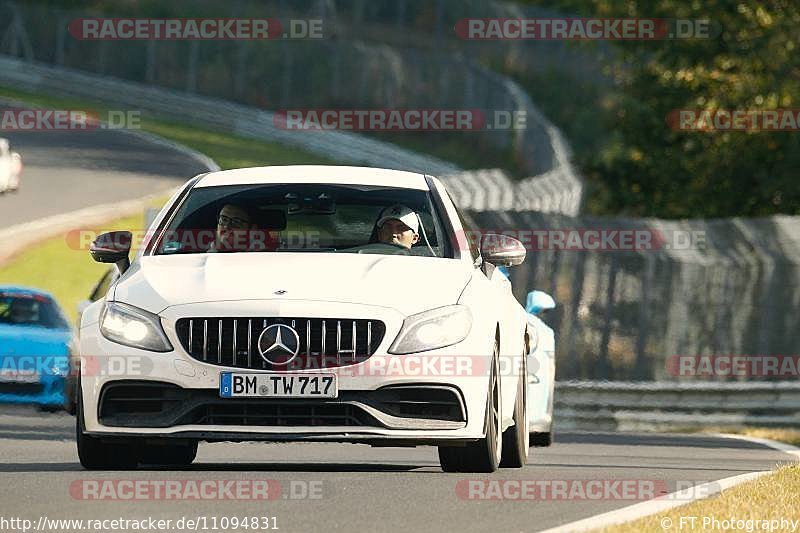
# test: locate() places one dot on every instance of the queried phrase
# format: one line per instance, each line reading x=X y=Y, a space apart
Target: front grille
x=324 y=342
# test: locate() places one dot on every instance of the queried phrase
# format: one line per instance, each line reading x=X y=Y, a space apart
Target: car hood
x=33 y=341
x=406 y=284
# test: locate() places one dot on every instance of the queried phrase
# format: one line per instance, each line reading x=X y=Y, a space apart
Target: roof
x=328 y=174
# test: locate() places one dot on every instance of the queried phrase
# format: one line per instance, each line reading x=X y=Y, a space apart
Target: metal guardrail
x=665 y=405
x=700 y=287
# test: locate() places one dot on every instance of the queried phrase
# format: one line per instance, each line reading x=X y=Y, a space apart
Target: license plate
x=16 y=376
x=261 y=385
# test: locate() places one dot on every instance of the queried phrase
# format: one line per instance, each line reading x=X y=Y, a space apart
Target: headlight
x=131 y=326
x=433 y=329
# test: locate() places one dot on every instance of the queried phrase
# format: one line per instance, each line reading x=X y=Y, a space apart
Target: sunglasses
x=232 y=222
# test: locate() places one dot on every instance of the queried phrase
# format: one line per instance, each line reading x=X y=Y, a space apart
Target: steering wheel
x=383 y=248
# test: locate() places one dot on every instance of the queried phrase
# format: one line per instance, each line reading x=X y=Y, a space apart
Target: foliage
x=646 y=168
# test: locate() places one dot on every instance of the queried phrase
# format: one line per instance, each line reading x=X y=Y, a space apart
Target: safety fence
x=634 y=294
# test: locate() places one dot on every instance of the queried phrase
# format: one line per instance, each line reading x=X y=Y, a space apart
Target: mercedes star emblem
x=278 y=344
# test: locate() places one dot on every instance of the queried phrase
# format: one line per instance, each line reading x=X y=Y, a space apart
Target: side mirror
x=502 y=250
x=539 y=301
x=113 y=247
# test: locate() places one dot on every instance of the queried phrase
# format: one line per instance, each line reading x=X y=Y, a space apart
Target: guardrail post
x=571 y=325
x=191 y=67
x=150 y=67
x=641 y=367
x=61 y=38
x=603 y=366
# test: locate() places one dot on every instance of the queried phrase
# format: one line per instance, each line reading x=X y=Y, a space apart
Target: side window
x=102 y=287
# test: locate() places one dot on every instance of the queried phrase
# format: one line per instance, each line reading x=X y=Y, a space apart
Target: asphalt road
x=68 y=170
x=357 y=488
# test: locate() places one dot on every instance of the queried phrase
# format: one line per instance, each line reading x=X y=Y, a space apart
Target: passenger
x=398 y=225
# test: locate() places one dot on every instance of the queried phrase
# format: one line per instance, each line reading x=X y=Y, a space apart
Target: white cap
x=401 y=213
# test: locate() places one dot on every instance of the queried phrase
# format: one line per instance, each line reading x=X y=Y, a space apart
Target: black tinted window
x=30 y=310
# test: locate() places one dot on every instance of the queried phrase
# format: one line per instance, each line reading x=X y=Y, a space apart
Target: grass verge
x=760 y=504
x=773 y=497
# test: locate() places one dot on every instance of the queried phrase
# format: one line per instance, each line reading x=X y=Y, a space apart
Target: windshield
x=305 y=218
x=30 y=310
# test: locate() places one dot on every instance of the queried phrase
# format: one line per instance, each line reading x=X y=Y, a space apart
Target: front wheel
x=483 y=455
x=98 y=454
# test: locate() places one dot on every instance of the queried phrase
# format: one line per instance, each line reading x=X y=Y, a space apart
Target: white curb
x=675 y=499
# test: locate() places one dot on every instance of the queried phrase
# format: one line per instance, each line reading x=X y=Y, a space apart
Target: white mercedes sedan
x=305 y=303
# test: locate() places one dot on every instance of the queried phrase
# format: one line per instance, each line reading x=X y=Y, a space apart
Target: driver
x=233 y=226
x=398 y=225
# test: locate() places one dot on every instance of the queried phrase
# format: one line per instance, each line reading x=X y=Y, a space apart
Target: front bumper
x=46 y=390
x=447 y=399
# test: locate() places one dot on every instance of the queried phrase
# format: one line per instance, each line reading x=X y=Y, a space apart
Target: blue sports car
x=35 y=341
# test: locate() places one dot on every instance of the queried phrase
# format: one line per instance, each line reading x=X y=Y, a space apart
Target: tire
x=167 y=454
x=516 y=439
x=97 y=454
x=484 y=455
x=541 y=439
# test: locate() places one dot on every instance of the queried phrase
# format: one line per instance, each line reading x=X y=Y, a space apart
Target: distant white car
x=16 y=171
x=10 y=168
x=541 y=370
x=321 y=333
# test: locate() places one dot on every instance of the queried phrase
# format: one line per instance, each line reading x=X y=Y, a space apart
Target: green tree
x=647 y=168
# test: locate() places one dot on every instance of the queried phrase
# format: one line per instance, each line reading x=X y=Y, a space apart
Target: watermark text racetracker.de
x=400 y=119
x=180 y=29
x=590 y=239
x=598 y=29
x=581 y=489
x=734 y=366
x=738 y=120
x=176 y=490
x=190 y=240
x=31 y=368
x=21 y=120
